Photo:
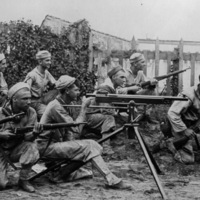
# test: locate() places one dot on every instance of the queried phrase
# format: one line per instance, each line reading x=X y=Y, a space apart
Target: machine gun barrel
x=138 y=99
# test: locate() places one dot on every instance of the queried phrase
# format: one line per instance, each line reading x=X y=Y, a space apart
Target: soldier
x=3 y=84
x=39 y=79
x=18 y=149
x=63 y=145
x=183 y=115
x=116 y=83
x=135 y=75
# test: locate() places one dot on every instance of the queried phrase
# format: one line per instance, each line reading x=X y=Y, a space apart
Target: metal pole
x=150 y=163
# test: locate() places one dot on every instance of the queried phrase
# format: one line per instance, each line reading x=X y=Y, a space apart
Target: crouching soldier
x=78 y=150
x=184 y=119
x=16 y=149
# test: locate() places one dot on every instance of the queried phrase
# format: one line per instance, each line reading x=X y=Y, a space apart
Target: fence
x=159 y=54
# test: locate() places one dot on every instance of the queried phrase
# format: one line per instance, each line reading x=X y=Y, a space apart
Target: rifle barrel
x=11 y=118
x=171 y=74
x=48 y=127
x=97 y=107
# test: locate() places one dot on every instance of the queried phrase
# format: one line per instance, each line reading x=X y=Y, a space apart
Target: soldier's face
x=46 y=63
x=22 y=100
x=137 y=66
x=73 y=93
x=141 y=63
x=3 y=65
x=119 y=79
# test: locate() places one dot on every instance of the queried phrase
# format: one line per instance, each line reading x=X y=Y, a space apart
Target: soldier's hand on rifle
x=30 y=136
x=153 y=81
x=6 y=135
x=134 y=88
x=86 y=102
x=38 y=128
x=189 y=133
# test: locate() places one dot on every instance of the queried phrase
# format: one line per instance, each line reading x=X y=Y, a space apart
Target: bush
x=21 y=40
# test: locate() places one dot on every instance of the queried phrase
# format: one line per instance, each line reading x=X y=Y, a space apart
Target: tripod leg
x=111 y=135
x=151 y=157
x=148 y=159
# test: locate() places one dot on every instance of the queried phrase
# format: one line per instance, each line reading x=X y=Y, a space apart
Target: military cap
x=15 y=88
x=136 y=57
x=114 y=70
x=42 y=55
x=64 y=82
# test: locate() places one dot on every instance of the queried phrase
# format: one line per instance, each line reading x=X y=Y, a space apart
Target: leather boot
x=26 y=186
x=120 y=186
x=107 y=149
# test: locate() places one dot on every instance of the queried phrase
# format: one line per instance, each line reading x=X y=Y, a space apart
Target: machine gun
x=159 y=78
x=141 y=99
x=130 y=101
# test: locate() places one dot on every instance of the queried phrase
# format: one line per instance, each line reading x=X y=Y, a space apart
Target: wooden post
x=168 y=71
x=99 y=72
x=133 y=44
x=91 y=52
x=146 y=59
x=108 y=52
x=192 y=76
x=157 y=57
x=180 y=85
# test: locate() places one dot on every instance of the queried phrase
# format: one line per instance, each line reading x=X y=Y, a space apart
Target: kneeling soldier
x=77 y=150
x=17 y=149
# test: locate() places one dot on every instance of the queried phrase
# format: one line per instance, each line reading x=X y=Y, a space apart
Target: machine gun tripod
x=131 y=101
x=133 y=124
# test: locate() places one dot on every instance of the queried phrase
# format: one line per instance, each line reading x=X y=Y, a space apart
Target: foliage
x=21 y=40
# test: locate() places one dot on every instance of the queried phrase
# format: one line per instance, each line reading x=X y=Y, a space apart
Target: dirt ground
x=180 y=182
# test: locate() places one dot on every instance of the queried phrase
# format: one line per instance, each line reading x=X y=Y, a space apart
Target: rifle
x=159 y=78
x=7 y=119
x=19 y=132
x=12 y=118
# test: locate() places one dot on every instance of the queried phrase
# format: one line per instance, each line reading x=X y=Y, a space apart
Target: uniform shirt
x=118 y=90
x=187 y=110
x=29 y=119
x=38 y=82
x=56 y=113
x=132 y=79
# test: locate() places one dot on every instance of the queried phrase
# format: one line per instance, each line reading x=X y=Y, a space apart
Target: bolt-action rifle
x=159 y=78
x=19 y=132
x=12 y=118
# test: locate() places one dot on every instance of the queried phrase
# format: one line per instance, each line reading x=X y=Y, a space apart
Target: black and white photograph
x=99 y=100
